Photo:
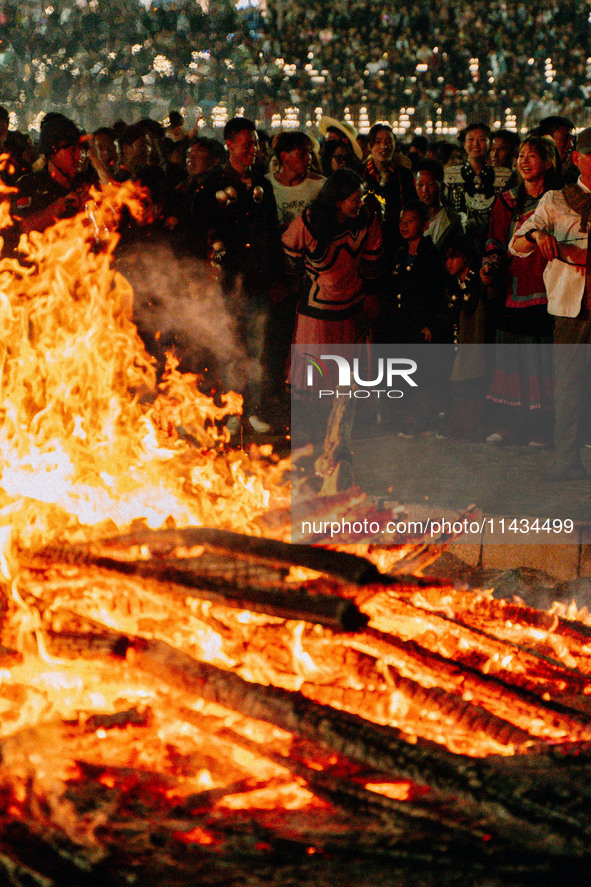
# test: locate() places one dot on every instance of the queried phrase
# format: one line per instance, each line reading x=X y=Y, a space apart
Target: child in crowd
x=414 y=302
x=413 y=312
x=465 y=309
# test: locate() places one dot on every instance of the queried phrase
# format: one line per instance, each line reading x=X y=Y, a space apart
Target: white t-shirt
x=292 y=200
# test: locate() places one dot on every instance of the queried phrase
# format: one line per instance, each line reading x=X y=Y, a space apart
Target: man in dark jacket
x=61 y=187
x=236 y=228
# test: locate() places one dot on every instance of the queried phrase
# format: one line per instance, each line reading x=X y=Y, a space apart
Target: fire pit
x=185 y=705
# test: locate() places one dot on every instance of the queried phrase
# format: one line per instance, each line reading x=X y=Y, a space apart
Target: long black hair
x=321 y=215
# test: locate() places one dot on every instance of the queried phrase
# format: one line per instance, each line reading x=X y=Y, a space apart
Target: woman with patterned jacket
x=337 y=243
x=470 y=189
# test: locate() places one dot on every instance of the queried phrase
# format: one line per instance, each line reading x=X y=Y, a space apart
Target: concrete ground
x=437 y=478
x=445 y=474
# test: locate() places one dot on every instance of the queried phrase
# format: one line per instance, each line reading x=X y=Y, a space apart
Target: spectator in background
x=107 y=148
x=521 y=388
x=175 y=129
x=202 y=155
x=294 y=184
x=235 y=224
x=443 y=222
x=295 y=187
x=60 y=189
x=174 y=154
x=466 y=310
x=337 y=243
x=265 y=152
x=337 y=154
x=133 y=146
x=558 y=228
x=503 y=149
x=389 y=185
x=414 y=299
x=17 y=149
x=560 y=130
x=417 y=150
x=340 y=131
x=22 y=153
x=471 y=189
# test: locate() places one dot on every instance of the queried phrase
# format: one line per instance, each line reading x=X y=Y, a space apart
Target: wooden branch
x=345 y=566
x=513 y=703
x=473 y=787
x=284 y=602
x=433 y=704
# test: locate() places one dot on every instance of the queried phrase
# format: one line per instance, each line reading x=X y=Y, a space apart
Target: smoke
x=179 y=307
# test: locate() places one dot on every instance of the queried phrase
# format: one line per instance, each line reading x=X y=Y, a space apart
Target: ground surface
x=454 y=474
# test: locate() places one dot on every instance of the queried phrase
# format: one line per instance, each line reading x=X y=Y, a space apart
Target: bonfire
x=188 y=698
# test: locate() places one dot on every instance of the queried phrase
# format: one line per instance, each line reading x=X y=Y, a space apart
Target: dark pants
x=572 y=336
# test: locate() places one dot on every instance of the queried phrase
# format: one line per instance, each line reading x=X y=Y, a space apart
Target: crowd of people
x=360 y=240
x=438 y=61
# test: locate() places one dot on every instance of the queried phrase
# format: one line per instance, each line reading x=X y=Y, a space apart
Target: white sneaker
x=233 y=424
x=258 y=425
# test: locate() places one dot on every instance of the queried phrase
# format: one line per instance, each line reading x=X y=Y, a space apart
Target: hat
x=326 y=123
x=583 y=143
x=57 y=131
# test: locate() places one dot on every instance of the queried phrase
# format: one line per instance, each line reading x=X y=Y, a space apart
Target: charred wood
x=342 y=565
x=329 y=610
x=471 y=787
x=513 y=702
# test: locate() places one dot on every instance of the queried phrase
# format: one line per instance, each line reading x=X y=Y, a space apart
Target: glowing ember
x=138 y=713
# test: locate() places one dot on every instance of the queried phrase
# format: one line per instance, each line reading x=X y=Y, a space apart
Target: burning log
x=346 y=792
x=433 y=703
x=479 y=648
x=543 y=716
x=548 y=632
x=473 y=788
x=342 y=565
x=231 y=584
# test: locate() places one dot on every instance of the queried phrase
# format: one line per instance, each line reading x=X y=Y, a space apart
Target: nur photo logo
x=314 y=363
x=355 y=378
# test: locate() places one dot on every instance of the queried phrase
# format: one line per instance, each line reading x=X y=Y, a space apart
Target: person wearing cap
x=559 y=229
x=339 y=130
x=60 y=189
x=389 y=186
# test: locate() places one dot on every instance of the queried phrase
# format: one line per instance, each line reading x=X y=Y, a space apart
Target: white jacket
x=564 y=277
